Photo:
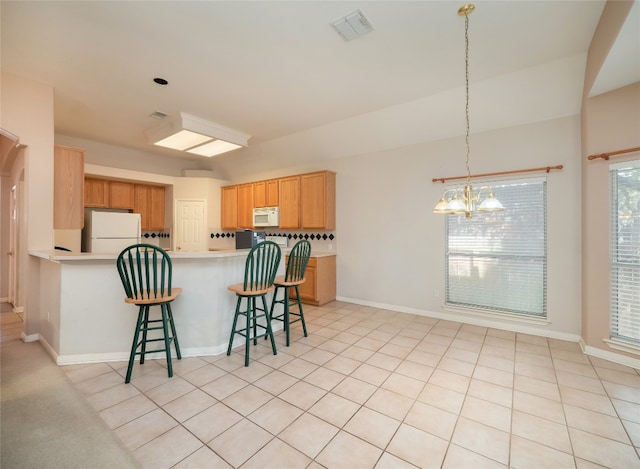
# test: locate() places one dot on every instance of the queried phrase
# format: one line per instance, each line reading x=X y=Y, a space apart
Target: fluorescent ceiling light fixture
x=198 y=136
x=213 y=148
x=183 y=140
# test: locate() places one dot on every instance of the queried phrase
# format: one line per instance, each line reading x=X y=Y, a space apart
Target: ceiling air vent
x=352 y=26
x=158 y=115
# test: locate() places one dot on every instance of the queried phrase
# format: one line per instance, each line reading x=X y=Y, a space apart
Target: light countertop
x=63 y=256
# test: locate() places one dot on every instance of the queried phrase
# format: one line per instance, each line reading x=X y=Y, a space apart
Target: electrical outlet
x=436 y=293
x=47 y=316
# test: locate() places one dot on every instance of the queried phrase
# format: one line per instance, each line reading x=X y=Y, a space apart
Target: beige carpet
x=45 y=422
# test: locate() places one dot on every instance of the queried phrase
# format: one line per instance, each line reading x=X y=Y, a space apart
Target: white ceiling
x=270 y=69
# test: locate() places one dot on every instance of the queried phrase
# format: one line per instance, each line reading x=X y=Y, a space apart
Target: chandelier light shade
x=198 y=136
x=462 y=201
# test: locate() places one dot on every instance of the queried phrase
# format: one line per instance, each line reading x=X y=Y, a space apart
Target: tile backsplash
x=320 y=240
x=157 y=238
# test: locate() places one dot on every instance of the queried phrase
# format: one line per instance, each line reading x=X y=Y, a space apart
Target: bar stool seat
x=145 y=271
x=259 y=273
x=294 y=276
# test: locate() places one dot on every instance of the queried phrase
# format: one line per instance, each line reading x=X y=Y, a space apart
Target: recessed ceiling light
x=160 y=81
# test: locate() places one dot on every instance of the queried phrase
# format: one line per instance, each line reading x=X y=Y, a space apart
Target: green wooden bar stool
x=294 y=276
x=259 y=274
x=145 y=271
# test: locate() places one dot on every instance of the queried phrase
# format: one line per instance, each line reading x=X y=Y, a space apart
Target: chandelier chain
x=466 y=76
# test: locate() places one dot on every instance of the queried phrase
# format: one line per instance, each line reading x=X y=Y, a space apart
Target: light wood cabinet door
x=96 y=193
x=319 y=286
x=265 y=193
x=245 y=206
x=272 y=190
x=229 y=208
x=149 y=202
x=290 y=202
x=260 y=194
x=68 y=188
x=318 y=200
x=121 y=195
x=307 y=289
x=156 y=208
x=142 y=204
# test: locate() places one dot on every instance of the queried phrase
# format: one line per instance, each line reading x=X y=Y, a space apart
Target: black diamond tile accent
x=324 y=236
x=146 y=235
x=331 y=236
x=153 y=235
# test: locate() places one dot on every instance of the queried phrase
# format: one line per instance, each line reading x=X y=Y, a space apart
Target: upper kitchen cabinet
x=121 y=195
x=245 y=205
x=96 y=193
x=229 y=207
x=318 y=200
x=149 y=202
x=68 y=188
x=290 y=202
x=265 y=193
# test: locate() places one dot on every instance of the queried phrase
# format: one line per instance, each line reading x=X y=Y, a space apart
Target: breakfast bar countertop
x=64 y=256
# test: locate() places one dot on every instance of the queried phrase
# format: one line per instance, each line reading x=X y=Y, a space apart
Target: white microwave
x=267 y=216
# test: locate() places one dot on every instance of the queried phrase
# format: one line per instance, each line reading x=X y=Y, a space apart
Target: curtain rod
x=544 y=168
x=606 y=156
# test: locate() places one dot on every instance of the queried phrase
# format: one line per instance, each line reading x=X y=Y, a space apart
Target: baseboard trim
x=610 y=356
x=29 y=338
x=87 y=358
x=469 y=319
x=48 y=348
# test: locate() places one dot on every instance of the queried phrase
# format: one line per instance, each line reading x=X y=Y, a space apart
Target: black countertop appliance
x=248 y=238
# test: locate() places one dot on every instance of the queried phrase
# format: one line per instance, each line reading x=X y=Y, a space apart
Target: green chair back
x=298 y=260
x=261 y=266
x=145 y=271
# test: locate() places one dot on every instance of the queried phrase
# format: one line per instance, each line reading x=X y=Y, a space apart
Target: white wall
x=27 y=111
x=403 y=254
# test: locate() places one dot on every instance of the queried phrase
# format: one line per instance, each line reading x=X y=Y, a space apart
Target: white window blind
x=625 y=251
x=498 y=261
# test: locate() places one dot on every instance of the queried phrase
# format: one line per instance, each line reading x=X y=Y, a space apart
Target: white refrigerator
x=109 y=232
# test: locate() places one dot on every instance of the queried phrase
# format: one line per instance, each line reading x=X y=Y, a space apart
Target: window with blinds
x=498 y=261
x=625 y=251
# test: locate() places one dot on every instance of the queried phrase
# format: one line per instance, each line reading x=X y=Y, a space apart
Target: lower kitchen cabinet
x=320 y=281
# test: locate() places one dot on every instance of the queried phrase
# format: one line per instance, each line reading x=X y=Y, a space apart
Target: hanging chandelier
x=462 y=201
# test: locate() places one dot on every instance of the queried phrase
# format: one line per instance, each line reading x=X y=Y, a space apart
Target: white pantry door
x=191 y=232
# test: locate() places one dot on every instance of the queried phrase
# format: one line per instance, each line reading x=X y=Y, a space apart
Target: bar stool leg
x=269 y=330
x=134 y=346
x=304 y=326
x=233 y=328
x=167 y=341
x=173 y=331
x=287 y=326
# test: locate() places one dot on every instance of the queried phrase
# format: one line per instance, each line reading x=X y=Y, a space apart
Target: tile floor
x=375 y=388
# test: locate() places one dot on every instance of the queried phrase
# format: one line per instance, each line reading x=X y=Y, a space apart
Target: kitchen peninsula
x=85 y=318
